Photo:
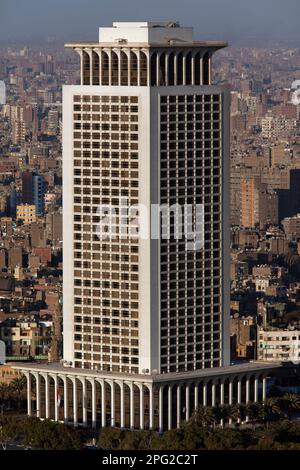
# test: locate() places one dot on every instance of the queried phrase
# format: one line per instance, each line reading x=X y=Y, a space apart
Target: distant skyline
x=253 y=22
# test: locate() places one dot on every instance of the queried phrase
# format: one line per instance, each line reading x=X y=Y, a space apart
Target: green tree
x=110 y=438
x=18 y=388
x=8 y=431
x=290 y=403
x=48 y=435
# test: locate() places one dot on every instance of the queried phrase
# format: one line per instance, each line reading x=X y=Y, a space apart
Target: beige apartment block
x=27 y=213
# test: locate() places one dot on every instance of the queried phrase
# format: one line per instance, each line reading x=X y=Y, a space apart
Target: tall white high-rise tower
x=145 y=319
x=145 y=124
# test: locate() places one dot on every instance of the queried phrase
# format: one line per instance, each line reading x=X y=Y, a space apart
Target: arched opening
x=180 y=69
x=206 y=64
x=80 y=400
x=153 y=69
x=162 y=69
x=188 y=69
x=86 y=68
x=60 y=398
x=98 y=389
x=33 y=394
x=127 y=405
x=88 y=401
x=96 y=70
x=42 y=397
x=104 y=68
x=114 y=69
x=171 y=79
x=143 y=69
x=133 y=69
x=117 y=404
x=197 y=66
x=124 y=68
x=52 y=398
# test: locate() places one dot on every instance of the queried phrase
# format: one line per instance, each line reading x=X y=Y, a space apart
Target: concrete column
x=167 y=68
x=75 y=405
x=256 y=389
x=170 y=407
x=213 y=394
x=127 y=52
x=264 y=391
x=103 y=405
x=38 y=395
x=222 y=393
x=201 y=68
x=175 y=68
x=122 y=406
x=157 y=69
x=247 y=390
x=100 y=64
x=109 y=67
x=230 y=391
x=66 y=410
x=230 y=397
x=138 y=67
x=131 y=406
x=28 y=377
x=184 y=69
x=193 y=70
x=178 y=405
x=84 y=400
x=148 y=68
x=209 y=69
x=204 y=394
x=47 y=397
x=196 y=396
x=94 y=404
x=239 y=391
x=112 y=404
x=117 y=51
x=187 y=402
x=151 y=407
x=55 y=397
x=90 y=52
x=141 y=387
x=161 y=409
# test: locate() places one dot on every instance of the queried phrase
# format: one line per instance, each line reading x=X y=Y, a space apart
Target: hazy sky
x=234 y=20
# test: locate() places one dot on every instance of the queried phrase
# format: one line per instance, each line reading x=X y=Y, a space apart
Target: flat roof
x=174 y=43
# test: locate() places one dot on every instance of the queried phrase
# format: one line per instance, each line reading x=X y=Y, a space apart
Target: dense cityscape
x=264 y=216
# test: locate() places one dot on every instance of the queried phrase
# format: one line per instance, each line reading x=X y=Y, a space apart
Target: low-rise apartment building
x=278 y=345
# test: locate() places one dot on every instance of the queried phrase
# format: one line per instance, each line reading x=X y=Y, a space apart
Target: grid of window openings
x=106 y=271
x=191 y=281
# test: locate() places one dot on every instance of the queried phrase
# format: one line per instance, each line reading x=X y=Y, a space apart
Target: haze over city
x=256 y=22
x=149 y=226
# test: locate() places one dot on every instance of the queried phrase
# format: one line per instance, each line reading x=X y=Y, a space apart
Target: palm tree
x=238 y=412
x=208 y=416
x=217 y=415
x=290 y=402
x=225 y=413
x=270 y=409
x=198 y=416
x=18 y=389
x=254 y=411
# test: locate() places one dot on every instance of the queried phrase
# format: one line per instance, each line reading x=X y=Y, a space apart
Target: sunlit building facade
x=146 y=332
